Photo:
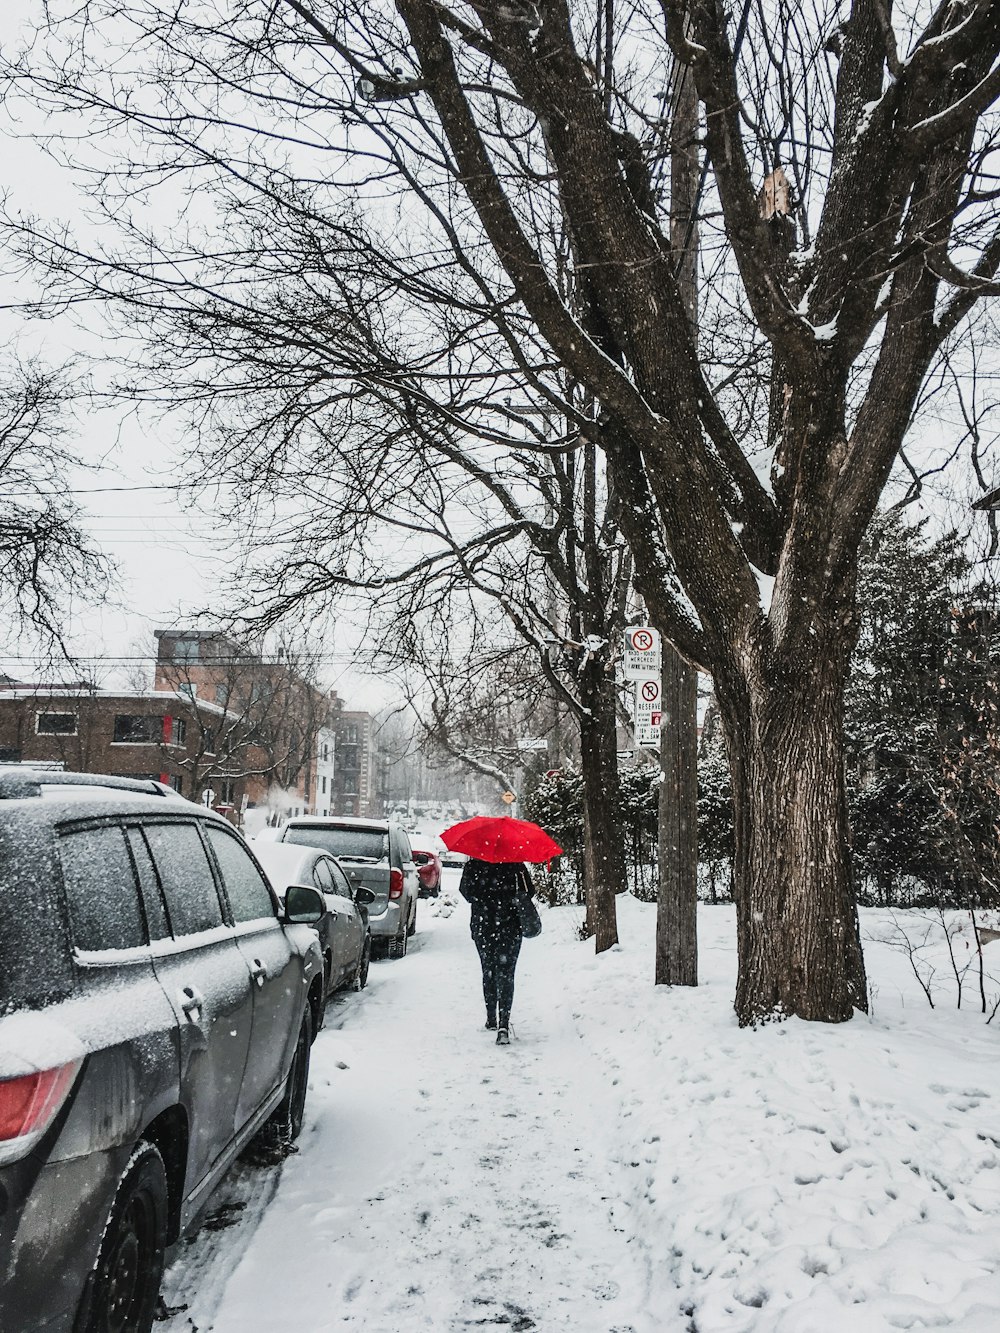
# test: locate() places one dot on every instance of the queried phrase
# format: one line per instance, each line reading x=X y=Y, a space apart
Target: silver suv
x=157 y=1006
x=375 y=854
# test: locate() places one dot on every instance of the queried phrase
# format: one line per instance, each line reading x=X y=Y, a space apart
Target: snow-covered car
x=375 y=854
x=157 y=1010
x=453 y=860
x=428 y=860
x=344 y=934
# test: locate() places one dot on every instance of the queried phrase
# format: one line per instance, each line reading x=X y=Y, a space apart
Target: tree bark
x=604 y=872
x=677 y=892
x=797 y=923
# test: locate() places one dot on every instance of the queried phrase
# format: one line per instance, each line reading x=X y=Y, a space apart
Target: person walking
x=492 y=891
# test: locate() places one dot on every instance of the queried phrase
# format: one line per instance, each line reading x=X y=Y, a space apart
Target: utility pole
x=677 y=893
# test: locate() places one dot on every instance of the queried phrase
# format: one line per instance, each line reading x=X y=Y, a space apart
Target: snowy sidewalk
x=444 y=1183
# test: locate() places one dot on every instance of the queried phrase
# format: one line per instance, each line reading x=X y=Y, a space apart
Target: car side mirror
x=364 y=896
x=304 y=905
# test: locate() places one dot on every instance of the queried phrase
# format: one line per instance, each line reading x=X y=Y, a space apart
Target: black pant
x=498 y=954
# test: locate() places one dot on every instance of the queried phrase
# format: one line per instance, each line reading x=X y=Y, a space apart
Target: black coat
x=493 y=891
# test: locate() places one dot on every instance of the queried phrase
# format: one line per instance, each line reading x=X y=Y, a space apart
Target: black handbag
x=527 y=915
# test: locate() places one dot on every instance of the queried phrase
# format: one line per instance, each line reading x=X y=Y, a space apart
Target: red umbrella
x=500 y=839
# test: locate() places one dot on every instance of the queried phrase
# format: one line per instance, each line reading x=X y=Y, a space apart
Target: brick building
x=155 y=734
x=271 y=706
x=221 y=724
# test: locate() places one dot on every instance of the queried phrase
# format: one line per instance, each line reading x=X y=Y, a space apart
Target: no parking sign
x=641 y=656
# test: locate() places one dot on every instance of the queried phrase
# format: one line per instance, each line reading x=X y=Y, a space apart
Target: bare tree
x=46 y=558
x=836 y=284
x=256 y=714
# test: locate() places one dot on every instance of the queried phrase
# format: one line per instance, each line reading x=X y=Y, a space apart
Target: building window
x=178 y=731
x=222 y=695
x=350 y=784
x=177 y=782
x=188 y=688
x=326 y=756
x=351 y=734
x=323 y=786
x=133 y=729
x=55 y=724
x=186 y=650
x=227 y=791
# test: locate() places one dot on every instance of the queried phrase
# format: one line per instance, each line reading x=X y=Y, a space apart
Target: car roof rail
x=19 y=783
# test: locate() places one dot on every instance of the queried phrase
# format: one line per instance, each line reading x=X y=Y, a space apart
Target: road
x=442 y=1183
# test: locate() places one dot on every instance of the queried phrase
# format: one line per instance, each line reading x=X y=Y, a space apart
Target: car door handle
x=258 y=972
x=192 y=1003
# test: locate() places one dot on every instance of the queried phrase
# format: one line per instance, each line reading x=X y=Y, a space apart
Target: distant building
x=362 y=768
x=326 y=748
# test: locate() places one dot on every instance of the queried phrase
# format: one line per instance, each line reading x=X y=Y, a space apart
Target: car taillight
x=395 y=884
x=28 y=1105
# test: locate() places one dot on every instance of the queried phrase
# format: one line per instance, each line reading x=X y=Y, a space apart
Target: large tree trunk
x=677 y=892
x=603 y=843
x=799 y=941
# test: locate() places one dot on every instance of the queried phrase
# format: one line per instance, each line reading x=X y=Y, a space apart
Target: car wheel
x=126 y=1279
x=397 y=944
x=285 y=1122
x=413 y=922
x=361 y=977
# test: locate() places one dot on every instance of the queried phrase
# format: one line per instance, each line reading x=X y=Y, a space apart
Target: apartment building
x=155 y=734
x=271 y=706
x=362 y=768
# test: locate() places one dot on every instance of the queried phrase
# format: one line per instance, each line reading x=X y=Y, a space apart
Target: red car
x=428 y=864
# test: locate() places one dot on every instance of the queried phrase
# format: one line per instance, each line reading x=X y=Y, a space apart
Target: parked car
x=374 y=854
x=157 y=1009
x=428 y=866
x=453 y=860
x=344 y=934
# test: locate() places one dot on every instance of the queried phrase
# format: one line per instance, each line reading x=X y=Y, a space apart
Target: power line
x=232 y=662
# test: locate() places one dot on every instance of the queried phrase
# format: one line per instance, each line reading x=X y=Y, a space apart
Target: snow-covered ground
x=632 y=1163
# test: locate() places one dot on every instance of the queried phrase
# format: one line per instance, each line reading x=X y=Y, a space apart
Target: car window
x=101 y=891
x=35 y=963
x=249 y=897
x=340 y=884
x=405 y=854
x=152 y=899
x=322 y=876
x=186 y=877
x=354 y=844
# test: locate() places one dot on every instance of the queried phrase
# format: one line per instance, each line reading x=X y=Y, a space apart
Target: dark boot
x=503 y=1037
x=491 y=1021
